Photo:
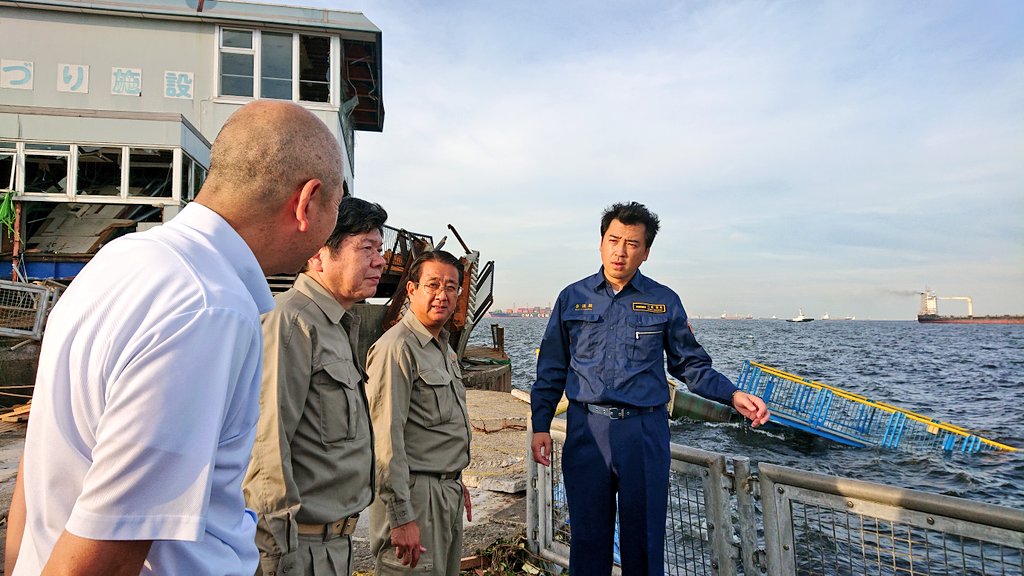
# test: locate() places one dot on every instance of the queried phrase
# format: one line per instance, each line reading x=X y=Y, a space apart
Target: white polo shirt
x=147 y=398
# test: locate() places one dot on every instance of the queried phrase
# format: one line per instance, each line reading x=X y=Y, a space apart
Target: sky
x=834 y=157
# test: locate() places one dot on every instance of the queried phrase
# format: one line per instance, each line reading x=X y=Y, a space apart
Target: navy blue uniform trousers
x=602 y=457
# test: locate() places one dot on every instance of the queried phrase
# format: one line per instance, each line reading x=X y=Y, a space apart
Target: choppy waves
x=968 y=375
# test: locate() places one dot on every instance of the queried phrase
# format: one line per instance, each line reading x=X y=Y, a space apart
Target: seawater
x=968 y=375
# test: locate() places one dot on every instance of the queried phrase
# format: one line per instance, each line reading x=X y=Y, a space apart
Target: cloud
x=812 y=150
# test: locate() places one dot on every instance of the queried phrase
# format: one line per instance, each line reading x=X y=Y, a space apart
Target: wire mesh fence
x=818 y=524
x=687 y=539
x=806 y=523
x=23 y=309
x=694 y=541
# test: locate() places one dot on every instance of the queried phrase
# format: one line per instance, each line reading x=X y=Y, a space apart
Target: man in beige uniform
x=418 y=406
x=311 y=472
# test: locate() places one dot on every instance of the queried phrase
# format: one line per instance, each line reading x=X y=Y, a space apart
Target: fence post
x=724 y=552
x=532 y=523
x=744 y=486
x=778 y=526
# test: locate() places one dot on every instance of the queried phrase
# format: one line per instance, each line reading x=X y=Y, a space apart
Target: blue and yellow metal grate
x=853 y=419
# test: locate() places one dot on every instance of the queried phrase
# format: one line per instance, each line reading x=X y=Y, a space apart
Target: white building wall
x=49 y=38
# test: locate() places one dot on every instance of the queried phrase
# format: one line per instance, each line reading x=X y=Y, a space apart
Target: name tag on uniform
x=652 y=308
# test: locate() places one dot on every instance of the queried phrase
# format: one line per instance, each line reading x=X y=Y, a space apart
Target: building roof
x=360 y=37
x=216 y=11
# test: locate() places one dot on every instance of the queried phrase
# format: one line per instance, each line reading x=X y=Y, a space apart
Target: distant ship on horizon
x=827 y=317
x=534 y=312
x=929 y=312
x=800 y=317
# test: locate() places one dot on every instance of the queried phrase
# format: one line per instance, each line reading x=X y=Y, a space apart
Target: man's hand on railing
x=541 y=447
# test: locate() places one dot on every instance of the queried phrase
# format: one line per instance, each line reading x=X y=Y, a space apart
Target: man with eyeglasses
x=418 y=406
x=311 y=472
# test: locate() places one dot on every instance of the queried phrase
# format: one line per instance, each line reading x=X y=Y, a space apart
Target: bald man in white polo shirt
x=147 y=395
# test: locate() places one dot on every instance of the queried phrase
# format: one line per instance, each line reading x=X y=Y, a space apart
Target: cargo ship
x=929 y=312
x=534 y=312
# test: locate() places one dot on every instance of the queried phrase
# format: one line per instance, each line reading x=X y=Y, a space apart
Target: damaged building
x=108 y=110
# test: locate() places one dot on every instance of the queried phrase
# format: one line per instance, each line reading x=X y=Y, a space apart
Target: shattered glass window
x=46 y=173
x=186 y=177
x=99 y=171
x=6 y=171
x=198 y=177
x=315 y=68
x=150 y=172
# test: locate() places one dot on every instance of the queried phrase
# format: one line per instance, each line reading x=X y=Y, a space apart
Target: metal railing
x=724 y=520
x=851 y=418
x=401 y=247
x=23 y=309
x=818 y=524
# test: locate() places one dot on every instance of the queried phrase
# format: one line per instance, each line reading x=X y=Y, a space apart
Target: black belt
x=618 y=412
x=442 y=475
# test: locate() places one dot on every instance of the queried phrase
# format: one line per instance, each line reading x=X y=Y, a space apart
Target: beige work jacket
x=418 y=407
x=312 y=462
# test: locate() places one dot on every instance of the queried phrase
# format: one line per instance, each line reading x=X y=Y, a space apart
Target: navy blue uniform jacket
x=606 y=348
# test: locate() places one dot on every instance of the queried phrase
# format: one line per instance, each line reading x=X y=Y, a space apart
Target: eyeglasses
x=435 y=287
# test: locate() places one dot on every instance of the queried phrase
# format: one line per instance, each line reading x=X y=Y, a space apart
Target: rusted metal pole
x=459 y=238
x=15 y=258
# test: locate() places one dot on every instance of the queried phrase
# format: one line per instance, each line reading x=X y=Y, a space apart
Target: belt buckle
x=332 y=530
x=340 y=528
x=349 y=525
x=616 y=412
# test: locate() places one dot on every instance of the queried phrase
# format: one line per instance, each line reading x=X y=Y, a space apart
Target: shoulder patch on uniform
x=652 y=308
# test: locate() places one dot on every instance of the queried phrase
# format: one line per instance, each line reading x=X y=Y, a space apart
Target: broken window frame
x=312 y=82
x=187 y=192
x=85 y=151
x=43 y=150
x=171 y=158
x=198 y=178
x=135 y=160
x=9 y=150
x=13 y=158
x=330 y=78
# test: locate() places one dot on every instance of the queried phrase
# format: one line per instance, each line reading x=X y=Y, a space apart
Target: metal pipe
x=15 y=258
x=459 y=238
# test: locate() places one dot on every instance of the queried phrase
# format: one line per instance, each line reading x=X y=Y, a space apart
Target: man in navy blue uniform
x=605 y=347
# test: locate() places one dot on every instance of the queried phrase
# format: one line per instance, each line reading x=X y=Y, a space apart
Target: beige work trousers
x=439 y=508
x=314 y=557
